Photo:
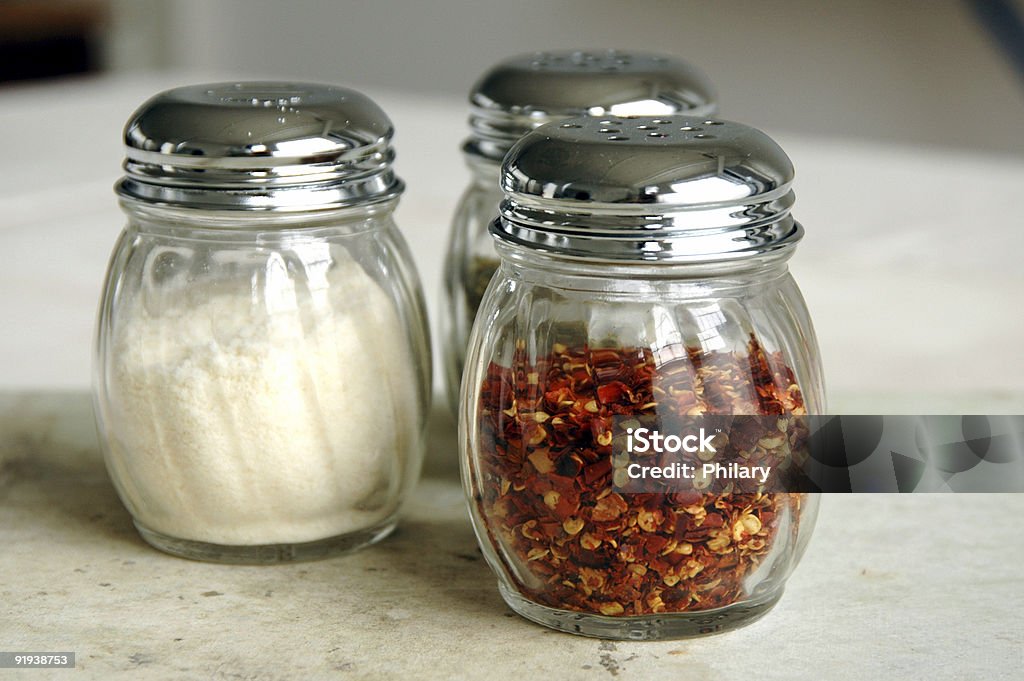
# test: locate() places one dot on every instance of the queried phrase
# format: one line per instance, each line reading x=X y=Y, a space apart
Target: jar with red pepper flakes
x=643 y=279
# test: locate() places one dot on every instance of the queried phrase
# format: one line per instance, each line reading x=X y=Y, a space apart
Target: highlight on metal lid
x=652 y=188
x=259 y=146
x=526 y=91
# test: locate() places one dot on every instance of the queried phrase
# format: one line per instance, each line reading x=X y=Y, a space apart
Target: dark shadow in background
x=1002 y=20
x=50 y=39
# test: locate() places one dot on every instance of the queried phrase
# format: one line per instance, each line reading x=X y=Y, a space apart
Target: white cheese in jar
x=276 y=417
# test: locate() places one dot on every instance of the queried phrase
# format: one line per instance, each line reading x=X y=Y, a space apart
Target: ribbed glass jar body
x=470 y=263
x=261 y=380
x=563 y=347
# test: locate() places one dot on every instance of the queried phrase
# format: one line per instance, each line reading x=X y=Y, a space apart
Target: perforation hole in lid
x=609 y=61
x=644 y=129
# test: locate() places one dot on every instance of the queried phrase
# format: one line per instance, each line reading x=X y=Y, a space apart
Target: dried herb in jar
x=548 y=496
x=481 y=271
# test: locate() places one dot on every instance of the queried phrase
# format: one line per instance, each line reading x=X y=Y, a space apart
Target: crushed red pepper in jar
x=547 y=496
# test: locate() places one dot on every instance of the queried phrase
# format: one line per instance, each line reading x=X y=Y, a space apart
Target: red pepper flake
x=548 y=499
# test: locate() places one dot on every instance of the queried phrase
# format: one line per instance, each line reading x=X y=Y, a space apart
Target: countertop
x=911 y=268
x=891 y=587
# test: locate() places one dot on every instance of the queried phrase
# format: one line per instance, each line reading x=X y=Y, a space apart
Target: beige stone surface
x=892 y=587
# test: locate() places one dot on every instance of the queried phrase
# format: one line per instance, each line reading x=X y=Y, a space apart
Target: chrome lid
x=524 y=92
x=259 y=146
x=674 y=189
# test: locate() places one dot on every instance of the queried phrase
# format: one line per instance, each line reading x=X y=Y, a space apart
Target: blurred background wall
x=921 y=71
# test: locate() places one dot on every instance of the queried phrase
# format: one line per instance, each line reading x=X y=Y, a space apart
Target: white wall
x=917 y=70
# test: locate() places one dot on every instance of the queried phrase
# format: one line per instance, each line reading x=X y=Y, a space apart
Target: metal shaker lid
x=674 y=189
x=524 y=92
x=259 y=146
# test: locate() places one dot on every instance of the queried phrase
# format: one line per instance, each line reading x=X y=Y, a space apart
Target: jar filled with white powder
x=262 y=364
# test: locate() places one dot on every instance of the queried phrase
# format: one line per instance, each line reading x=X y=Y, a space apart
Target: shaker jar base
x=268 y=554
x=658 y=627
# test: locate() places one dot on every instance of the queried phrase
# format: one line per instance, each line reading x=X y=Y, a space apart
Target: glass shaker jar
x=643 y=273
x=262 y=357
x=514 y=97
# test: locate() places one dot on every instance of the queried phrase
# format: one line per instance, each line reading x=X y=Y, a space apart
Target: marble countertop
x=911 y=267
x=891 y=587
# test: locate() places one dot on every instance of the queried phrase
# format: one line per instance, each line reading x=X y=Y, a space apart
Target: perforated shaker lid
x=527 y=91
x=673 y=189
x=259 y=146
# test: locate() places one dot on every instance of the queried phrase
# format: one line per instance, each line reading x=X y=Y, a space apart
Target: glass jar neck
x=157 y=218
x=577 y=274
